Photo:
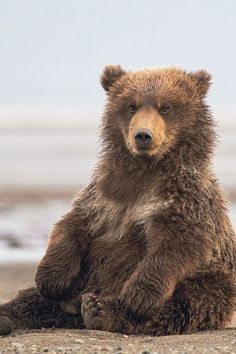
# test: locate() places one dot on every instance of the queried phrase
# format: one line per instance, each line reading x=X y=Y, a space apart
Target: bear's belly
x=111 y=263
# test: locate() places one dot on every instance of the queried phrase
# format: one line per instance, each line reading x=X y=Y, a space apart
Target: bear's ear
x=110 y=75
x=202 y=81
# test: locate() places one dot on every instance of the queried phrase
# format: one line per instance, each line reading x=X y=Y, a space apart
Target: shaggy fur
x=147 y=246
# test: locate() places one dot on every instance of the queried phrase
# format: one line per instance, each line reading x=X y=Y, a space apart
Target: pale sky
x=53 y=51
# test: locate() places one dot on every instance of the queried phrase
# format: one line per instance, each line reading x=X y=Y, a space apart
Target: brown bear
x=147 y=246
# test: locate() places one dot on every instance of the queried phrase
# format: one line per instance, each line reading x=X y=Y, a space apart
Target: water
x=24 y=229
x=56 y=159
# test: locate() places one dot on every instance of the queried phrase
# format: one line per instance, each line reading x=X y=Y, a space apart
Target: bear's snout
x=143 y=139
x=146 y=132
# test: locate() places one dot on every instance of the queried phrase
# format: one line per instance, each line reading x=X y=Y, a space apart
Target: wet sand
x=14 y=277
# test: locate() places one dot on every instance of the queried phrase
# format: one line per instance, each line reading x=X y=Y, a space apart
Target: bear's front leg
x=157 y=275
x=60 y=267
x=144 y=293
x=68 y=246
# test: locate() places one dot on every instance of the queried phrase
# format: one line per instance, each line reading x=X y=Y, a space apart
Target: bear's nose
x=143 y=139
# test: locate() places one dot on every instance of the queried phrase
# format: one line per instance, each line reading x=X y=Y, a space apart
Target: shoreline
x=23 y=194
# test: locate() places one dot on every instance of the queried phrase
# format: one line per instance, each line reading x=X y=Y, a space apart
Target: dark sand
x=19 y=276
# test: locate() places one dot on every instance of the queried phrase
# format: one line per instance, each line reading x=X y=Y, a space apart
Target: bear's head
x=149 y=111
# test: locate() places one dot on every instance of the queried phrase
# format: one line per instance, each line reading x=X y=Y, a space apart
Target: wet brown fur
x=147 y=246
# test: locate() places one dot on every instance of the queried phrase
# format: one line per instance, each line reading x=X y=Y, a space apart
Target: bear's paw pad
x=93 y=312
x=6 y=325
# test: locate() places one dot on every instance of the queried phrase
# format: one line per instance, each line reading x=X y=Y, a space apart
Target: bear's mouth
x=144 y=150
x=151 y=151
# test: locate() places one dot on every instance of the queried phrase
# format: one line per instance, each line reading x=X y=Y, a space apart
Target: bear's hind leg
x=203 y=302
x=104 y=314
x=31 y=310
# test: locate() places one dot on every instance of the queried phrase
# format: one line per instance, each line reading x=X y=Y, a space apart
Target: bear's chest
x=113 y=261
x=120 y=236
x=114 y=221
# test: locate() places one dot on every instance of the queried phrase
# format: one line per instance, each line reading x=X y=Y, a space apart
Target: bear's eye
x=164 y=108
x=132 y=108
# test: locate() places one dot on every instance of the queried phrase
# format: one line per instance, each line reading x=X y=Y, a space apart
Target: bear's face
x=149 y=109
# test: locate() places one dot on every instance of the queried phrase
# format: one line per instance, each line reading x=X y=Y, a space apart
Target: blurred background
x=52 y=54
